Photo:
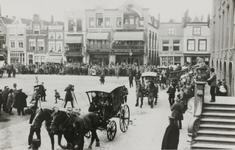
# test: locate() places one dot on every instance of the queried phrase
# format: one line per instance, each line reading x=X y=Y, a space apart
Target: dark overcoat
x=68 y=95
x=171 y=137
x=20 y=100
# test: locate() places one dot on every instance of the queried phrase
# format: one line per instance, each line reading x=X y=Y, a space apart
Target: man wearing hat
x=20 y=102
x=171 y=136
x=42 y=92
x=69 y=95
x=4 y=96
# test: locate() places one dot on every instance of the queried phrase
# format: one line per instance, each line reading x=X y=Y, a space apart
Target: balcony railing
x=128 y=26
x=98 y=46
x=127 y=46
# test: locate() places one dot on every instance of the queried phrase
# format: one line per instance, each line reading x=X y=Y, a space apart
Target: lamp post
x=130 y=54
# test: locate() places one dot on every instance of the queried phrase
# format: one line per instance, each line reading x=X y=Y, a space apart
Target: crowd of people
x=122 y=69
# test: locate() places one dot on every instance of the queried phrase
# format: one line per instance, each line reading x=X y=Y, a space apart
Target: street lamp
x=130 y=54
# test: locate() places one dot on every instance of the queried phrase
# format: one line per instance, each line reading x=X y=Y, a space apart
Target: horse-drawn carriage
x=147 y=86
x=76 y=127
x=109 y=101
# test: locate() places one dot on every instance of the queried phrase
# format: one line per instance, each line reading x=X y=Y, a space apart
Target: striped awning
x=97 y=36
x=73 y=39
x=128 y=36
x=54 y=59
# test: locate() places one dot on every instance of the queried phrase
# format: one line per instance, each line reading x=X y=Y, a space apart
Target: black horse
x=76 y=127
x=41 y=116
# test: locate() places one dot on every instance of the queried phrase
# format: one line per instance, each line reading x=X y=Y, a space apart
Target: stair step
x=219 y=108
x=216 y=132
x=217 y=126
x=218 y=120
x=214 y=139
x=212 y=146
x=219 y=104
x=218 y=114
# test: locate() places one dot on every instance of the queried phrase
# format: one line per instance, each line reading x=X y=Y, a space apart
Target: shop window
x=43 y=58
x=177 y=60
x=176 y=45
x=37 y=59
x=99 y=20
x=196 y=30
x=202 y=45
x=191 y=45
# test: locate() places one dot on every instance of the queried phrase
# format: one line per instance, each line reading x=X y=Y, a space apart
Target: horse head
x=41 y=115
x=59 y=118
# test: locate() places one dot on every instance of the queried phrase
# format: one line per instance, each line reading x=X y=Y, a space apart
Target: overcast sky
x=168 y=9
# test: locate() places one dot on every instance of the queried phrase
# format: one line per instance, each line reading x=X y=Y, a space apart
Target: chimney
x=0 y=11
x=201 y=18
x=52 y=19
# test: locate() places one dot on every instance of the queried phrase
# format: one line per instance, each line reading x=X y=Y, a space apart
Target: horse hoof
x=136 y=105
x=140 y=106
x=97 y=145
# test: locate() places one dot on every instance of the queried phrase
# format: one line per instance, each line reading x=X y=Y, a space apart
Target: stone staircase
x=217 y=127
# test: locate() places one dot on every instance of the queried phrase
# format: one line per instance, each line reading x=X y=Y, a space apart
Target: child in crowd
x=57 y=96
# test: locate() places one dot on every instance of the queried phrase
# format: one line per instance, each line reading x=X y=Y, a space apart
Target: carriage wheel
x=111 y=130
x=124 y=118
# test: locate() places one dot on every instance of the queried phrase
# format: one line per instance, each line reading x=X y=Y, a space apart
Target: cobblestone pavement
x=145 y=132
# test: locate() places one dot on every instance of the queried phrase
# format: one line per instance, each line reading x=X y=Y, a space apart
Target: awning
x=54 y=59
x=196 y=54
x=128 y=36
x=73 y=54
x=73 y=39
x=97 y=36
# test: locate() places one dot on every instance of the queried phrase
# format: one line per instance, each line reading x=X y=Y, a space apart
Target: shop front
x=192 y=58
x=74 y=57
x=129 y=56
x=17 y=57
x=99 y=57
